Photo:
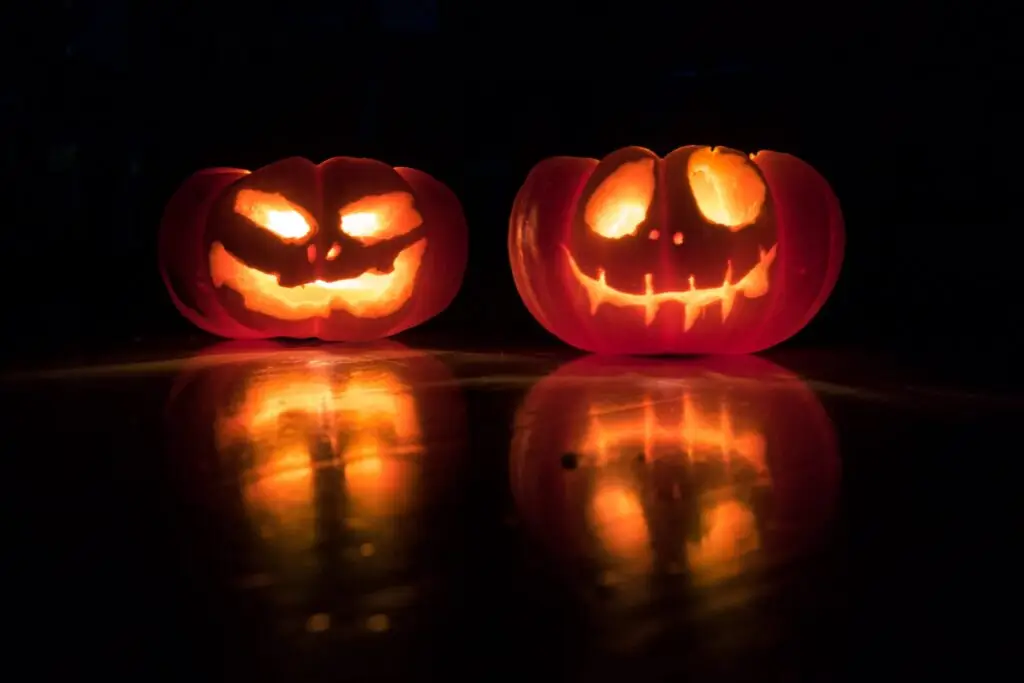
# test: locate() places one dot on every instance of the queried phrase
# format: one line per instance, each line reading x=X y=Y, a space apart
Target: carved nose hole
x=653 y=235
x=311 y=253
x=333 y=252
x=677 y=238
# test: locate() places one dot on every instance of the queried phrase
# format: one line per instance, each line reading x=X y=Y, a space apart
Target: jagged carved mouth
x=751 y=285
x=372 y=294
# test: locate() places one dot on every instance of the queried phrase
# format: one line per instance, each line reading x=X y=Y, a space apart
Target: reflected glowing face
x=728 y=534
x=616 y=515
x=693 y=231
x=632 y=470
x=672 y=431
x=320 y=420
x=371 y=251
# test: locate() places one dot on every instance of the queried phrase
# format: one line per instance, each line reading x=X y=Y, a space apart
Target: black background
x=906 y=112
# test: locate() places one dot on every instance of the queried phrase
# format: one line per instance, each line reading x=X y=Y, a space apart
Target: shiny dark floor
x=320 y=513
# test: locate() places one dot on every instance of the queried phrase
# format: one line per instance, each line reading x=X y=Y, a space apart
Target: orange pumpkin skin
x=668 y=445
x=346 y=250
x=637 y=254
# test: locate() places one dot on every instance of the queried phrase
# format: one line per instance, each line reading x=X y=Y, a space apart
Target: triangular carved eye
x=620 y=203
x=727 y=189
x=275 y=214
x=380 y=217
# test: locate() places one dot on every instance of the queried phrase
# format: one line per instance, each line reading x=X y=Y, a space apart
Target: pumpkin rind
x=234 y=274
x=678 y=278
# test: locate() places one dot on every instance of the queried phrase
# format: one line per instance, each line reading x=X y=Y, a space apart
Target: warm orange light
x=320 y=415
x=729 y=534
x=753 y=284
x=618 y=521
x=670 y=425
x=620 y=203
x=275 y=214
x=675 y=422
x=279 y=495
x=378 y=487
x=372 y=294
x=727 y=189
x=380 y=217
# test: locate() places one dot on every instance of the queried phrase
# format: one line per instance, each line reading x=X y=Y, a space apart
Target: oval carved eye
x=381 y=217
x=275 y=214
x=620 y=203
x=727 y=189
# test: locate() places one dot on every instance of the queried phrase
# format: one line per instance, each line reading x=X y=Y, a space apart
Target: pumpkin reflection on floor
x=325 y=452
x=298 y=421
x=683 y=473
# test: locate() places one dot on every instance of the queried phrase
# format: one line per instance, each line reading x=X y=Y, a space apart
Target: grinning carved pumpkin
x=323 y=459
x=652 y=469
x=704 y=251
x=347 y=250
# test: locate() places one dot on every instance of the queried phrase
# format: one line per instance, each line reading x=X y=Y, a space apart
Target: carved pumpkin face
x=700 y=470
x=704 y=251
x=348 y=250
x=327 y=455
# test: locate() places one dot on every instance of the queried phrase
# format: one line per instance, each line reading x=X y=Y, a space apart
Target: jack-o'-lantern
x=324 y=459
x=347 y=250
x=704 y=251
x=653 y=474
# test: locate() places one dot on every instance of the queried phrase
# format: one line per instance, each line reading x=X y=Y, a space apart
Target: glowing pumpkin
x=321 y=456
x=704 y=251
x=653 y=468
x=347 y=250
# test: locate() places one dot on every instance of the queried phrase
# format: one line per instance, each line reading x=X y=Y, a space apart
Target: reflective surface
x=666 y=482
x=263 y=512
x=325 y=464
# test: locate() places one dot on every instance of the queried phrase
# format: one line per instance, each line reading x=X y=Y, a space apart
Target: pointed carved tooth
x=728 y=297
x=755 y=283
x=650 y=310
x=691 y=315
x=650 y=303
x=594 y=293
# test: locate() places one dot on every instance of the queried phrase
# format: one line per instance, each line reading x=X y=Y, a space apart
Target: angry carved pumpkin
x=321 y=457
x=649 y=469
x=347 y=250
x=705 y=251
